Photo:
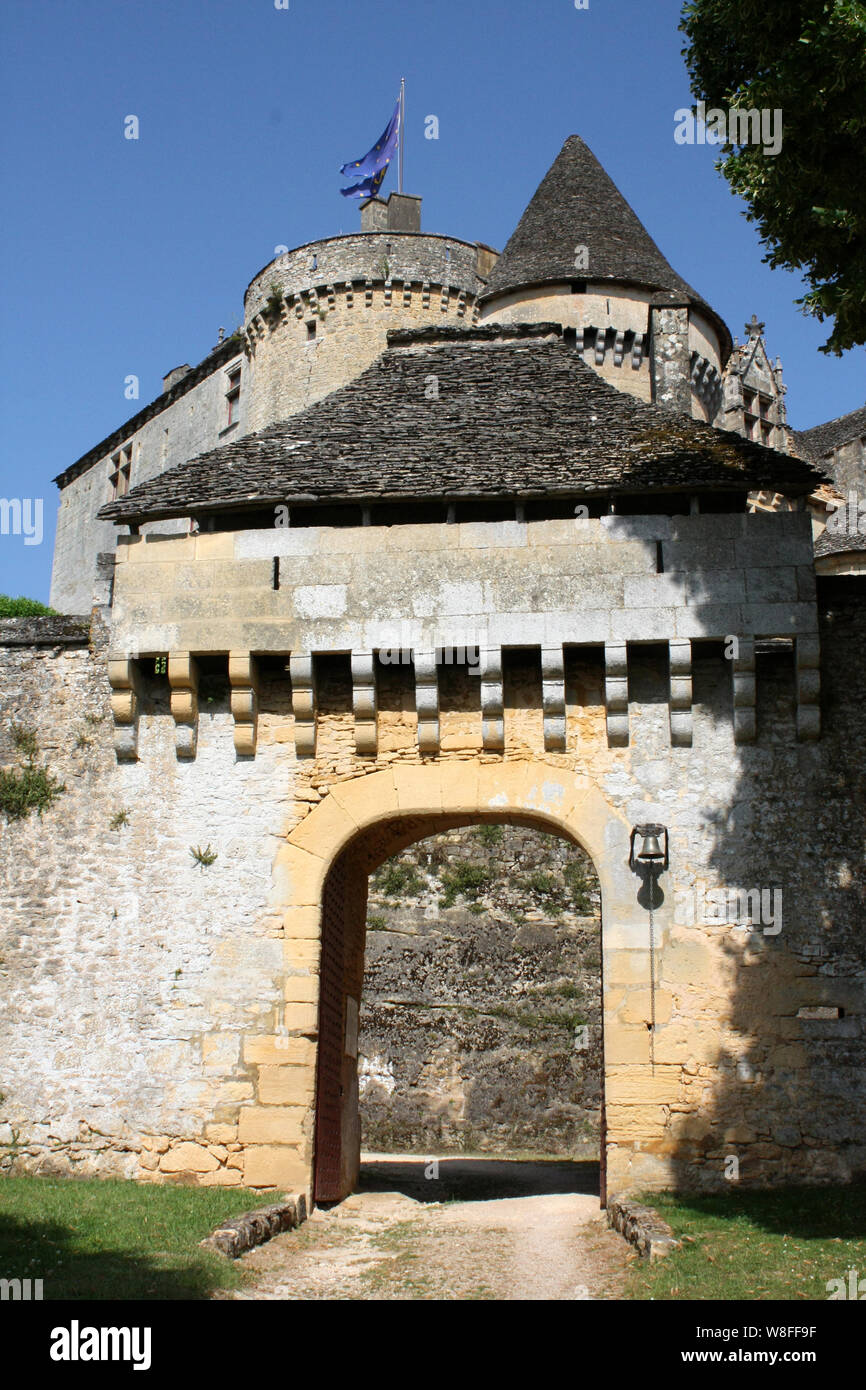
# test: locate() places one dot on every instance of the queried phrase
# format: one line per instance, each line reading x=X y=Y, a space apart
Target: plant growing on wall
x=274 y=302
x=203 y=857
x=29 y=787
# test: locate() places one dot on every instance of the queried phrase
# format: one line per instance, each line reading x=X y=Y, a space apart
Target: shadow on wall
x=775 y=1090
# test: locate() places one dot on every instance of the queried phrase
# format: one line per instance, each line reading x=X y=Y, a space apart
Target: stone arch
x=320 y=877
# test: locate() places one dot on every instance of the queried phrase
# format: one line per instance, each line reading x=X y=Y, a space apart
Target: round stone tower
x=317 y=316
x=580 y=256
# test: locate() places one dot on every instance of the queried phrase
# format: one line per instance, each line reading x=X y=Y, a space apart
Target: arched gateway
x=329 y=858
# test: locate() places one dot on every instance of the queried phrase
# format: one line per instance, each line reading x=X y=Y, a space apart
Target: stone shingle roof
x=578 y=204
x=485 y=412
x=838 y=543
x=823 y=439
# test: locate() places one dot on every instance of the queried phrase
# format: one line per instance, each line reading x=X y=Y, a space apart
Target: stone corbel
x=616 y=693
x=681 y=694
x=125 y=681
x=808 y=658
x=364 y=703
x=618 y=348
x=553 y=698
x=303 y=704
x=183 y=682
x=427 y=701
x=492 y=701
x=600 y=346
x=243 y=679
x=745 y=726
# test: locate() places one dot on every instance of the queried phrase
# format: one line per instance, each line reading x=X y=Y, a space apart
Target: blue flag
x=374 y=165
x=367 y=188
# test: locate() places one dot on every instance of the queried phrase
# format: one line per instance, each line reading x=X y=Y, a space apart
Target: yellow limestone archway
x=405 y=803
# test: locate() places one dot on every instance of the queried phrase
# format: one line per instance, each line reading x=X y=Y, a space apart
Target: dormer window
x=121 y=467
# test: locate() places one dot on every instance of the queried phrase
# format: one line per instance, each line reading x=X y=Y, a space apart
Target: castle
x=440 y=537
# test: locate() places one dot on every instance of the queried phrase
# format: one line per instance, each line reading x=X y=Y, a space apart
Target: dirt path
x=552 y=1244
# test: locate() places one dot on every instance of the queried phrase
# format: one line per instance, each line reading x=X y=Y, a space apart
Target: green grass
x=781 y=1244
x=91 y=1238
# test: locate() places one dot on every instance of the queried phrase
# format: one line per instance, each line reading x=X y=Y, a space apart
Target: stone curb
x=255 y=1227
x=643 y=1228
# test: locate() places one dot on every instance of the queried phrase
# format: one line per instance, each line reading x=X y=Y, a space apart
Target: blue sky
x=124 y=257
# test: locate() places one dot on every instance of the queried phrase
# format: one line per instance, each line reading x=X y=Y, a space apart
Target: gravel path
x=390 y=1244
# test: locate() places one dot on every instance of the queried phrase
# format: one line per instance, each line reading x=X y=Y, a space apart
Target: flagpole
x=402 y=130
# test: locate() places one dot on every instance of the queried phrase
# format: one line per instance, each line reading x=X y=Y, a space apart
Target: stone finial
x=427 y=701
x=303 y=704
x=553 y=698
x=616 y=693
x=492 y=701
x=745 y=725
x=125 y=681
x=808 y=658
x=243 y=679
x=183 y=676
x=364 y=702
x=681 y=693
x=754 y=329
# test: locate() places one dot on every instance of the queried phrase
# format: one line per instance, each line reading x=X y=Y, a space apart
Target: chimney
x=399 y=213
x=669 y=353
x=374 y=215
x=404 y=213
x=174 y=376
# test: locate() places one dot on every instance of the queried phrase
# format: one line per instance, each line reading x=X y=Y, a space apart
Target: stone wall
x=160 y=1018
x=481 y=1012
x=622 y=341
x=611 y=579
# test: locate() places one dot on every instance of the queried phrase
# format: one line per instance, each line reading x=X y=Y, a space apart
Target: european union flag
x=367 y=188
x=374 y=165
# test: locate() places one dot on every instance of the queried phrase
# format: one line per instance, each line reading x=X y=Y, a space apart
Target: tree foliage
x=806 y=58
x=22 y=608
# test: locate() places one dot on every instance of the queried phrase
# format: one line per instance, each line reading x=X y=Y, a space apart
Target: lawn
x=114 y=1239
x=781 y=1244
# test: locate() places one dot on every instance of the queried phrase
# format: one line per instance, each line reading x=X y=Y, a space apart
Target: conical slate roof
x=578 y=204
x=515 y=412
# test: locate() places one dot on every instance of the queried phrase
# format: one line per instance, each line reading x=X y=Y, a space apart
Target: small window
x=121 y=467
x=233 y=395
x=311 y=329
